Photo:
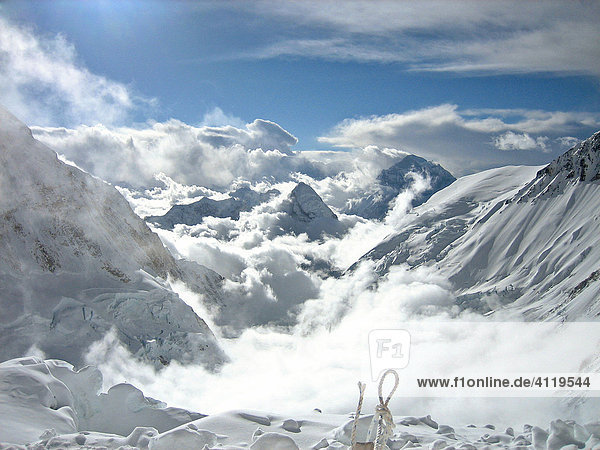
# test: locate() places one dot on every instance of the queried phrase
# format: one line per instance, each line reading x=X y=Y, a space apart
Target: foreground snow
x=46 y=404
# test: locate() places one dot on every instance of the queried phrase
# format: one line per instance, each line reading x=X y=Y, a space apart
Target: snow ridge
x=580 y=164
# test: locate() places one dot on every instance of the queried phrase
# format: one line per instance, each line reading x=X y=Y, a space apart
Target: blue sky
x=310 y=66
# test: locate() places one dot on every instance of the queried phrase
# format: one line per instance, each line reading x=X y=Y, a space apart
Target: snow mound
x=76 y=262
x=38 y=395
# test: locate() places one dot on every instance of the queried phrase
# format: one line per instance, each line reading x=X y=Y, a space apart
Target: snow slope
x=515 y=238
x=76 y=262
x=46 y=404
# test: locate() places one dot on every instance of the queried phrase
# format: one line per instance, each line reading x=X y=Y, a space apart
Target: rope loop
x=380 y=388
x=382 y=425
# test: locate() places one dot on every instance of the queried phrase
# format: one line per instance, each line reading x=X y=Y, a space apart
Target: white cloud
x=465 y=141
x=302 y=336
x=568 y=141
x=460 y=36
x=218 y=118
x=42 y=81
x=262 y=134
x=207 y=156
x=515 y=141
x=363 y=16
x=159 y=199
x=334 y=48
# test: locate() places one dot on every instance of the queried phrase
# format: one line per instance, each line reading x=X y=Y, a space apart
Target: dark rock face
x=305 y=212
x=579 y=164
x=306 y=205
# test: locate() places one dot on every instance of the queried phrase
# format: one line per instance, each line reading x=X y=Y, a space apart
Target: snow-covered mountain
x=242 y=199
x=515 y=238
x=76 y=262
x=304 y=211
x=305 y=205
x=399 y=177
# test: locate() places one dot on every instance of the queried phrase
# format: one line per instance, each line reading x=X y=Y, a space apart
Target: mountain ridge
x=240 y=200
x=77 y=262
x=517 y=240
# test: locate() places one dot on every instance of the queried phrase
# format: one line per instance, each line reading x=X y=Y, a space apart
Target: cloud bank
x=465 y=141
x=216 y=157
x=209 y=156
x=318 y=367
x=186 y=161
x=463 y=36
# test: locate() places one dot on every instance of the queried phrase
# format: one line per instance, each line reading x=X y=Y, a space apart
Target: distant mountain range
x=303 y=211
x=375 y=204
x=242 y=199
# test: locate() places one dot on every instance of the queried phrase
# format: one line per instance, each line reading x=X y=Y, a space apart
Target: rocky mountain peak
x=579 y=164
x=306 y=205
x=395 y=176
